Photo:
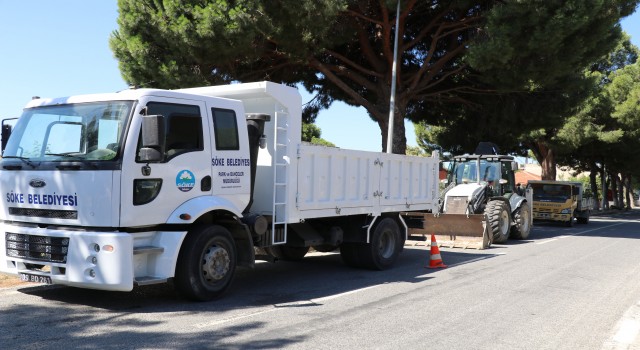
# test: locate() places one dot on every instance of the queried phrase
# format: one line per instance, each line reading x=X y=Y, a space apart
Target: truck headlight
x=145 y=190
x=565 y=211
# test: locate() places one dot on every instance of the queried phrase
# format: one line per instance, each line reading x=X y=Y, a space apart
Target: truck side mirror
x=6 y=132
x=514 y=166
x=153 y=139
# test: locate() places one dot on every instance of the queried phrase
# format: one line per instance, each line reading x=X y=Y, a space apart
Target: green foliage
x=479 y=69
x=321 y=142
x=416 y=151
x=311 y=133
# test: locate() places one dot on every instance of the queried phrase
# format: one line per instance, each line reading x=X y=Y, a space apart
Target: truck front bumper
x=86 y=259
x=545 y=216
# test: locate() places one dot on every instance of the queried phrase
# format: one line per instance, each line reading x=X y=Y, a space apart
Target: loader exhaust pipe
x=255 y=129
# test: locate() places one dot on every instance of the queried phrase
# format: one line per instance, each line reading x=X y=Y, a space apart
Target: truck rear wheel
x=288 y=253
x=384 y=248
x=522 y=219
x=206 y=263
x=349 y=254
x=499 y=221
x=584 y=219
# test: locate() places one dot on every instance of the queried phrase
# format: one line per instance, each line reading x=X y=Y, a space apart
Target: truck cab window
x=183 y=127
x=225 y=129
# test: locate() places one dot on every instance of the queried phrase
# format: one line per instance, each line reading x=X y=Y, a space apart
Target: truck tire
x=349 y=254
x=206 y=263
x=287 y=253
x=325 y=248
x=499 y=220
x=384 y=248
x=522 y=220
x=570 y=222
x=584 y=219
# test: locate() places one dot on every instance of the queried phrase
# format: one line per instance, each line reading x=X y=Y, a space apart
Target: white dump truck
x=109 y=191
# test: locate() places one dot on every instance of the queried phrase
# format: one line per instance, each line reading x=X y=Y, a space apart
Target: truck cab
x=80 y=195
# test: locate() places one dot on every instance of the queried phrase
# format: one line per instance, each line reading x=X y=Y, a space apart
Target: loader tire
x=499 y=223
x=522 y=219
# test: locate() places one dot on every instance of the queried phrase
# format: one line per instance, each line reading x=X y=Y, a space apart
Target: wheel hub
x=216 y=263
x=387 y=245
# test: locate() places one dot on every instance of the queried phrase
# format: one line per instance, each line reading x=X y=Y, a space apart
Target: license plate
x=25 y=277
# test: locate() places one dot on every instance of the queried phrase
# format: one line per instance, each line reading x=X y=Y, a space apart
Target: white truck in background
x=109 y=191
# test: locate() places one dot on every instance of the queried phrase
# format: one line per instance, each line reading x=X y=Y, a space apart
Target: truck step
x=147 y=280
x=147 y=250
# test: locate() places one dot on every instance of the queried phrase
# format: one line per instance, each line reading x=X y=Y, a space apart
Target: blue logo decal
x=185 y=180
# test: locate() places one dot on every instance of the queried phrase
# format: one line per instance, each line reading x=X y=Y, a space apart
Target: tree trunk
x=605 y=190
x=546 y=158
x=614 y=189
x=620 y=190
x=627 y=185
x=593 y=179
x=399 y=144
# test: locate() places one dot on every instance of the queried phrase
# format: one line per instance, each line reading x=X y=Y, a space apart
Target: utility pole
x=392 y=99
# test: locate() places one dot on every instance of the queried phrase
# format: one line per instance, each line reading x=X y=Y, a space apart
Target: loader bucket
x=452 y=230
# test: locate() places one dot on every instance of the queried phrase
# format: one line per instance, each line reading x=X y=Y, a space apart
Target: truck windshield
x=87 y=131
x=551 y=193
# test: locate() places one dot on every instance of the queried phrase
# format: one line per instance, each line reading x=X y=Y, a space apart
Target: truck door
x=151 y=192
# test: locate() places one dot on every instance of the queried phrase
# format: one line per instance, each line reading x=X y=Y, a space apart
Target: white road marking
x=626 y=330
x=233 y=319
x=266 y=309
x=577 y=233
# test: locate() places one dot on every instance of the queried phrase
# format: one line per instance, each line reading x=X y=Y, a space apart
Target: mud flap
x=453 y=230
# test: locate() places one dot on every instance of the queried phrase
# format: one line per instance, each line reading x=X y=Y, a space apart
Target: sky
x=54 y=48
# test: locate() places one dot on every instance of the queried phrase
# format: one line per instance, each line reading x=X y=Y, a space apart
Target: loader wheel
x=288 y=253
x=522 y=218
x=206 y=263
x=384 y=248
x=499 y=222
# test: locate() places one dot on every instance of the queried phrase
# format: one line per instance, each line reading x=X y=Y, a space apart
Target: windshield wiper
x=66 y=155
x=24 y=159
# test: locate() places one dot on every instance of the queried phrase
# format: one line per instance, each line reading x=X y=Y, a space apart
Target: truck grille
x=41 y=248
x=44 y=213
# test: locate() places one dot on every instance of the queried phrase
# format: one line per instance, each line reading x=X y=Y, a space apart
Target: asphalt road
x=564 y=288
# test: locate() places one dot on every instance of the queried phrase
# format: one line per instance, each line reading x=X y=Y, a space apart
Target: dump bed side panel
x=333 y=182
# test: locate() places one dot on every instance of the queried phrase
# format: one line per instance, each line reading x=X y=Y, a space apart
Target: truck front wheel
x=206 y=263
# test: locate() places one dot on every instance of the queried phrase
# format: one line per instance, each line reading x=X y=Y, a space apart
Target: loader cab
x=497 y=172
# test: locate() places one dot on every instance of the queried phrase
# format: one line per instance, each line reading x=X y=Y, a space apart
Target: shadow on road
x=283 y=284
x=73 y=313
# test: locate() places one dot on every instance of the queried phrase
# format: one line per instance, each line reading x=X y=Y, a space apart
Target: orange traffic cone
x=435 y=261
